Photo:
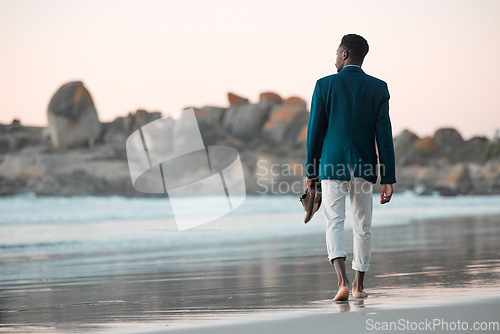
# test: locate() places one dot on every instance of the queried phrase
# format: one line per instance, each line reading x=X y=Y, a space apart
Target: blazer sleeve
x=385 y=145
x=316 y=131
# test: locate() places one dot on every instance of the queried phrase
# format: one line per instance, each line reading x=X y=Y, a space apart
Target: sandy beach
x=447 y=269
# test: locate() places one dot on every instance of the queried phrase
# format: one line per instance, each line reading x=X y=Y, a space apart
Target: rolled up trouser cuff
x=360 y=266
x=335 y=255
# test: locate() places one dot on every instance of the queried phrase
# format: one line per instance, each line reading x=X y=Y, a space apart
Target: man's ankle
x=344 y=283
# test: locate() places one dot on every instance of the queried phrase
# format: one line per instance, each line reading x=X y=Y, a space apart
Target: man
x=349 y=121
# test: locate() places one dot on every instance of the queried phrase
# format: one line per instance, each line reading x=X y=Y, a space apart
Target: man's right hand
x=385 y=193
x=309 y=183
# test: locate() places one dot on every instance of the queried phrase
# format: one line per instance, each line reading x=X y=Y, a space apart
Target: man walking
x=349 y=122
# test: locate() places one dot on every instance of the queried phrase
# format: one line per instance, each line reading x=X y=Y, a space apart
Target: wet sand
x=473 y=317
x=442 y=268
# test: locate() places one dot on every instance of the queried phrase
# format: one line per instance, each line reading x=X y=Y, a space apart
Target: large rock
x=485 y=177
x=244 y=121
x=122 y=127
x=72 y=117
x=448 y=138
x=210 y=128
x=78 y=171
x=426 y=145
x=284 y=124
x=455 y=181
x=15 y=136
x=15 y=125
x=444 y=179
x=405 y=139
x=140 y=118
x=215 y=112
x=270 y=96
x=302 y=134
x=479 y=149
x=5 y=145
x=235 y=99
x=404 y=146
x=295 y=100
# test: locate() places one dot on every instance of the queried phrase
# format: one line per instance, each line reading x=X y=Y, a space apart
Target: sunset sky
x=439 y=58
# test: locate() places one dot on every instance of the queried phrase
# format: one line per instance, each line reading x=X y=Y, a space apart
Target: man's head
x=352 y=51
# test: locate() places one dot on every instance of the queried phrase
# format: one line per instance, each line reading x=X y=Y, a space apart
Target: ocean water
x=31 y=223
x=85 y=235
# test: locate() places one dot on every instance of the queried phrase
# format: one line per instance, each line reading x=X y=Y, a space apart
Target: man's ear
x=345 y=54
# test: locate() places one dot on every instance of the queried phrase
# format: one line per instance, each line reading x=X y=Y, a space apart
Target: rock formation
x=72 y=117
x=59 y=160
x=447 y=164
x=235 y=99
x=270 y=96
x=294 y=100
x=269 y=135
x=448 y=138
x=285 y=124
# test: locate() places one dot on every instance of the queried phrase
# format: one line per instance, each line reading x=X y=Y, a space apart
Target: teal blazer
x=349 y=121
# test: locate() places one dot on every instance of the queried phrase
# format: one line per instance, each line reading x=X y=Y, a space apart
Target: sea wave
x=31 y=224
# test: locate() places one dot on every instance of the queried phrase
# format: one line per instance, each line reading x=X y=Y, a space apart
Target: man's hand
x=385 y=193
x=309 y=185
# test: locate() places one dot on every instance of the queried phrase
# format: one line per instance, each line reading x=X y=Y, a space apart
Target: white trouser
x=360 y=192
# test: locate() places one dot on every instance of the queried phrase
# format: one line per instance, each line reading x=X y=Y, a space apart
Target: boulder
x=16 y=136
x=244 y=121
x=140 y=118
x=285 y=123
x=448 y=138
x=235 y=99
x=122 y=127
x=456 y=180
x=295 y=100
x=78 y=171
x=5 y=145
x=485 y=177
x=270 y=96
x=477 y=149
x=404 y=147
x=15 y=125
x=426 y=145
x=210 y=128
x=72 y=117
x=445 y=179
x=405 y=139
x=302 y=134
x=215 y=112
x=114 y=132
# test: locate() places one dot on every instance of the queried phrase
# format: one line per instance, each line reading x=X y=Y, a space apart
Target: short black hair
x=356 y=45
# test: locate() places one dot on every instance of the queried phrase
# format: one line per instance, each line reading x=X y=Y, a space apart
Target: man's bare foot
x=342 y=295
x=357 y=292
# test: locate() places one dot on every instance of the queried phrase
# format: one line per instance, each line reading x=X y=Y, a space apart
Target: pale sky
x=439 y=58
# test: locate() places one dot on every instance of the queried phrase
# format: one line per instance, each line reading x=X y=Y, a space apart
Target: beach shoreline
x=460 y=314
